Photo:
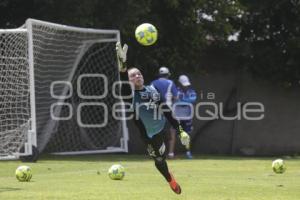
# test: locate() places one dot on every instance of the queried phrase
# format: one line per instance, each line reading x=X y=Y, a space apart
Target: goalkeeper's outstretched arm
x=126 y=91
x=184 y=137
x=121 y=59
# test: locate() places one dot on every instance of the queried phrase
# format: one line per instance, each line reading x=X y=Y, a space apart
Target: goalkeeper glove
x=184 y=137
x=122 y=55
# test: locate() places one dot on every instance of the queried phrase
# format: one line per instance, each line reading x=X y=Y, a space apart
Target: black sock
x=163 y=169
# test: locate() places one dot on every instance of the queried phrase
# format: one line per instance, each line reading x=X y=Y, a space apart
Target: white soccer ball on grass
x=278 y=166
x=116 y=172
x=23 y=173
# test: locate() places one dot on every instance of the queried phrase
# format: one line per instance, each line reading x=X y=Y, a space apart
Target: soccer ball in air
x=146 y=34
x=23 y=173
x=278 y=166
x=116 y=172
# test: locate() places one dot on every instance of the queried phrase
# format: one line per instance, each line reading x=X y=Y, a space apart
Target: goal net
x=14 y=92
x=74 y=71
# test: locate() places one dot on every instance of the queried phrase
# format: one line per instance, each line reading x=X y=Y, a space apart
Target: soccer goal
x=58 y=91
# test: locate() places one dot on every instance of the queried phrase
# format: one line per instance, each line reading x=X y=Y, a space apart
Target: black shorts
x=156 y=146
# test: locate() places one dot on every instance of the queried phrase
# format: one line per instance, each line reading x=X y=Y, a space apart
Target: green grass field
x=215 y=178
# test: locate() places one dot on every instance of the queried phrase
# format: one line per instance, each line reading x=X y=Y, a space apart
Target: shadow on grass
x=141 y=158
x=8 y=189
x=95 y=157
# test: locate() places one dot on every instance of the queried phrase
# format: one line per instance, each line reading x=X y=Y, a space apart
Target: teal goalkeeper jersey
x=146 y=109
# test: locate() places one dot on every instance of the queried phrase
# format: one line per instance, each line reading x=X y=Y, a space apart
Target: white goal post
x=16 y=130
x=56 y=90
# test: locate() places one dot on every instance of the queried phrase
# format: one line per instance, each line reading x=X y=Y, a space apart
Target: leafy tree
x=193 y=34
x=271 y=33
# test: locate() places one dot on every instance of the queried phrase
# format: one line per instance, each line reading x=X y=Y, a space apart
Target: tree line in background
x=262 y=37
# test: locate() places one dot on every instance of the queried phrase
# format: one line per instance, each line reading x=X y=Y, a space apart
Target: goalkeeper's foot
x=174 y=185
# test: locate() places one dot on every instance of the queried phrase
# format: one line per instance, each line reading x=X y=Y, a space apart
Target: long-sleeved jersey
x=146 y=104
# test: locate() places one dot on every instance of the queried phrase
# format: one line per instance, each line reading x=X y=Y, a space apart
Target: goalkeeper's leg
x=157 y=150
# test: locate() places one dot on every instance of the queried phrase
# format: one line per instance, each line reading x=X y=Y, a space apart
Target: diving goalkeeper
x=145 y=103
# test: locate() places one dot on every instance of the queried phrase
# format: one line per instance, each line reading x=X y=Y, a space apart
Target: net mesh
x=14 y=92
x=63 y=55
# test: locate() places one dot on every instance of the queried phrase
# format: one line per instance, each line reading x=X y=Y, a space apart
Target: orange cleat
x=174 y=185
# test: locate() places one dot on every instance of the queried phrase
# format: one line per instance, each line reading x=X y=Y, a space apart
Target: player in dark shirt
x=149 y=115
